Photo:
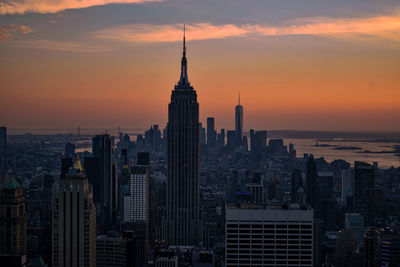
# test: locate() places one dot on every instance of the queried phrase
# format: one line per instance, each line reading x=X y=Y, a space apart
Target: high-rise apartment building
x=183 y=192
x=74 y=221
x=269 y=235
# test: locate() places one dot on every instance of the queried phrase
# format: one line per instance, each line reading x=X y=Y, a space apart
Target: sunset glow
x=106 y=64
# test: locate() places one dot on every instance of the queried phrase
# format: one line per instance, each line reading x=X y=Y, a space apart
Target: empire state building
x=183 y=141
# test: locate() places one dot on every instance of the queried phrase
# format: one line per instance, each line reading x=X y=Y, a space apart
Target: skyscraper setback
x=183 y=149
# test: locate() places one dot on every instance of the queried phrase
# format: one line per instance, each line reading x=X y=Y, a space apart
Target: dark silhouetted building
x=312 y=195
x=69 y=150
x=74 y=221
x=239 y=123
x=364 y=191
x=258 y=141
x=231 y=139
x=102 y=149
x=183 y=196
x=12 y=220
x=297 y=187
x=221 y=138
x=211 y=133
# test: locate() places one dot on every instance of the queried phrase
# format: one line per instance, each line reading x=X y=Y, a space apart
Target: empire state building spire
x=184 y=80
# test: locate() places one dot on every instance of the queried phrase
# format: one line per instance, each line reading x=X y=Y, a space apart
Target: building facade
x=74 y=221
x=269 y=235
x=183 y=149
x=12 y=219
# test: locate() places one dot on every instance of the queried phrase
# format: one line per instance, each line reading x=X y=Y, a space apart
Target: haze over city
x=302 y=65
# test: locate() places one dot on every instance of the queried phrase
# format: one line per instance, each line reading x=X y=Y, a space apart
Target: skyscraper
x=239 y=123
x=312 y=195
x=74 y=221
x=211 y=133
x=364 y=191
x=102 y=149
x=12 y=219
x=183 y=196
x=139 y=206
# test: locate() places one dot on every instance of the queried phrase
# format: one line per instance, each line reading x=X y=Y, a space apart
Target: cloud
x=7 y=32
x=385 y=27
x=54 y=6
x=66 y=46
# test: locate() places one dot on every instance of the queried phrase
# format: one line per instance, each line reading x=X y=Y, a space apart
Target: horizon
x=321 y=68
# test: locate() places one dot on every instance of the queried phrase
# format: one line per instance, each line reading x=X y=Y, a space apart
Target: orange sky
x=313 y=73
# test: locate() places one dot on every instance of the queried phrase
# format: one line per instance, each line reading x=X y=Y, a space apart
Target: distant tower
x=211 y=133
x=12 y=219
x=183 y=188
x=74 y=221
x=239 y=123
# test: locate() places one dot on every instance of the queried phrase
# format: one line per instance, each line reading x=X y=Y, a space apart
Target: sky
x=298 y=64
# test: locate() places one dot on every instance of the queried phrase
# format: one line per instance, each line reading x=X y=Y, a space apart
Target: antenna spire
x=239 y=98
x=184 y=38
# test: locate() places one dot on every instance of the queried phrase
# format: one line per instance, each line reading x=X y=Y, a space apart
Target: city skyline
x=330 y=67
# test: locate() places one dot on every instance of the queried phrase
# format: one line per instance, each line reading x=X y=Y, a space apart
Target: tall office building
x=327 y=201
x=211 y=133
x=269 y=235
x=231 y=139
x=183 y=196
x=258 y=141
x=74 y=221
x=139 y=206
x=364 y=191
x=312 y=195
x=102 y=149
x=139 y=189
x=239 y=123
x=12 y=219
